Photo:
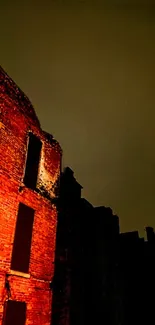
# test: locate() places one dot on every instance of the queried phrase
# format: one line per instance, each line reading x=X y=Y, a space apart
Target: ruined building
x=29 y=176
x=62 y=261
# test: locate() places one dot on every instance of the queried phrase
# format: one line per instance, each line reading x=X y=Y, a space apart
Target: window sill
x=24 y=275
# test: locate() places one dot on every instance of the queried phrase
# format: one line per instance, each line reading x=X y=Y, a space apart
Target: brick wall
x=17 y=118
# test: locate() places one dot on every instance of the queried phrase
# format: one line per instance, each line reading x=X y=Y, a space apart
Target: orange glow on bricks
x=17 y=119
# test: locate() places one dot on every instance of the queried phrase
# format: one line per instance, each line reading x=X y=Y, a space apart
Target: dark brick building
x=101 y=276
x=85 y=283
x=137 y=270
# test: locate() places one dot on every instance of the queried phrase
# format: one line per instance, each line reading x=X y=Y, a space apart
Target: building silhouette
x=29 y=177
x=137 y=269
x=85 y=282
x=62 y=260
x=101 y=275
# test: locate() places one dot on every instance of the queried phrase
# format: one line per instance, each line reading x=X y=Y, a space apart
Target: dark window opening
x=22 y=240
x=32 y=162
x=14 y=313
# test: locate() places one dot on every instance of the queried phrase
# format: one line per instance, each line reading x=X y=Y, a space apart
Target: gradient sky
x=89 y=70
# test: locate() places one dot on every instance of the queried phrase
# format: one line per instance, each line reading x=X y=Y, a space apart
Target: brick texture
x=17 y=119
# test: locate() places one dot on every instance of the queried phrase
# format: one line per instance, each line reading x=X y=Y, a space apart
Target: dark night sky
x=89 y=70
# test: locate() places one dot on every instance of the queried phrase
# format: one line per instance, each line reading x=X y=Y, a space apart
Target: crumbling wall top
x=9 y=88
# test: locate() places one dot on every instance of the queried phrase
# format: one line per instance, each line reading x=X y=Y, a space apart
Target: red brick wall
x=17 y=118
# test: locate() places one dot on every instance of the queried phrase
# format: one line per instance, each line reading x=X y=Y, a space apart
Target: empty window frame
x=22 y=239
x=14 y=313
x=32 y=162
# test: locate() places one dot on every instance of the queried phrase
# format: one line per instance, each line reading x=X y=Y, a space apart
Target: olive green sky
x=89 y=70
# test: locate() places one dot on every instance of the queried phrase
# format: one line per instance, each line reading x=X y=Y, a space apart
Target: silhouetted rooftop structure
x=101 y=277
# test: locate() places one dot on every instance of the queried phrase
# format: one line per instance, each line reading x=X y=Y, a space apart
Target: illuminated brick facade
x=18 y=123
